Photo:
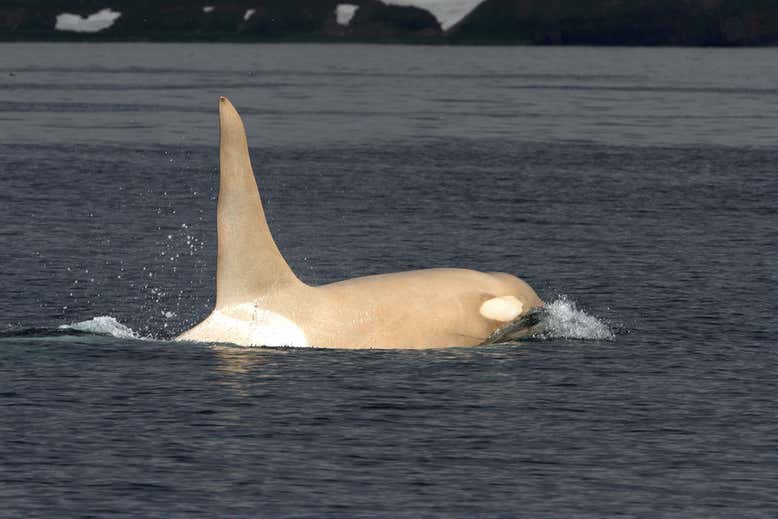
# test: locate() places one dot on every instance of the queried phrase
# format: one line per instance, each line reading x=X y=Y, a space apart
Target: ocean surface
x=635 y=189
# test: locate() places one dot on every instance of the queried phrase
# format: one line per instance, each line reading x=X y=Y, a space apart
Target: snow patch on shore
x=96 y=22
x=448 y=12
x=344 y=13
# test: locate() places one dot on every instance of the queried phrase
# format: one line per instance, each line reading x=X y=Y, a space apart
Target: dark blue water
x=633 y=188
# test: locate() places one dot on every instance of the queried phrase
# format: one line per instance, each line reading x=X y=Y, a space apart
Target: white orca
x=260 y=301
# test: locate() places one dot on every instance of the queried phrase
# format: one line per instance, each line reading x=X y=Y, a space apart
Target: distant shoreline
x=410 y=42
x=634 y=23
x=236 y=39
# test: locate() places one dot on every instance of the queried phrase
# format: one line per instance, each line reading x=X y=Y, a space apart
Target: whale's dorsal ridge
x=249 y=264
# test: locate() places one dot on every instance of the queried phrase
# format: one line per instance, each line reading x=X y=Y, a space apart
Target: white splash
x=103 y=325
x=248 y=14
x=344 y=13
x=207 y=8
x=448 y=12
x=97 y=22
x=563 y=320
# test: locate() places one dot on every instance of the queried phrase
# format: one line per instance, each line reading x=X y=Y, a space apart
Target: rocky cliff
x=622 y=22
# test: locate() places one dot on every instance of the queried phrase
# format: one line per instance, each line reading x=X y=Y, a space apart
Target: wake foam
x=563 y=319
x=559 y=319
x=103 y=325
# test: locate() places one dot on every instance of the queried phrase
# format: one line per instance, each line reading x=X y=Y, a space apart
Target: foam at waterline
x=564 y=320
x=103 y=325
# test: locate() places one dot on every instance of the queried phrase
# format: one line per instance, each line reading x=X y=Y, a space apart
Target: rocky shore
x=587 y=22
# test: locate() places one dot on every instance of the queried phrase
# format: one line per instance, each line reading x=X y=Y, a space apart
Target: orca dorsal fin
x=249 y=264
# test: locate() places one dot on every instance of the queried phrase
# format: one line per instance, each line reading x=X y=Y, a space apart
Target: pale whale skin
x=260 y=302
